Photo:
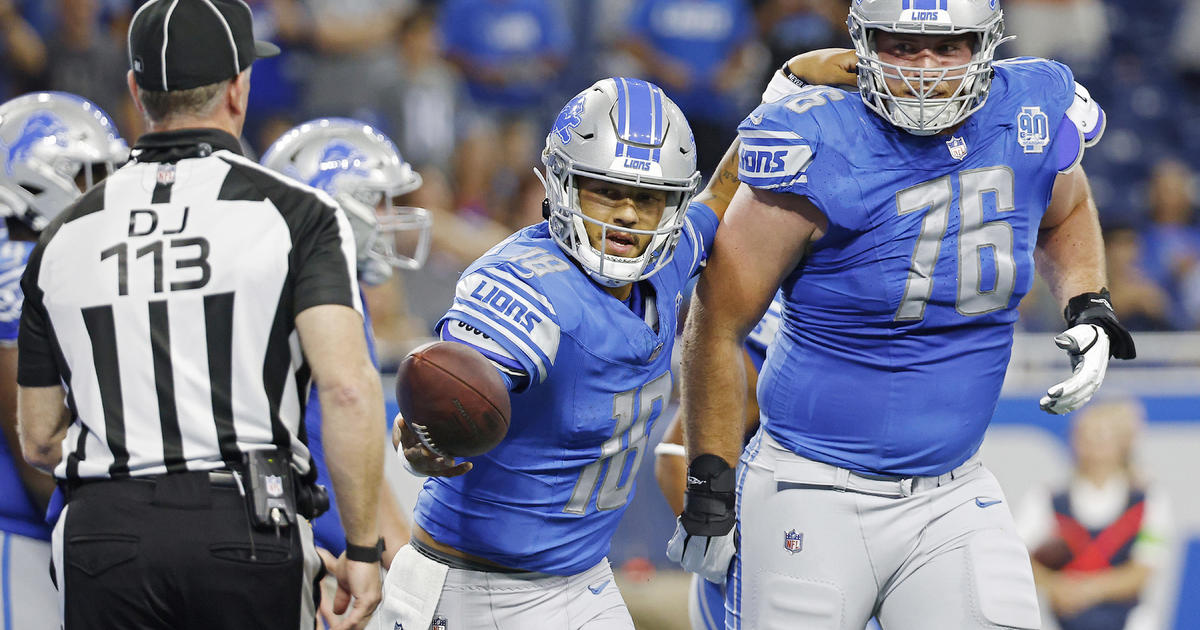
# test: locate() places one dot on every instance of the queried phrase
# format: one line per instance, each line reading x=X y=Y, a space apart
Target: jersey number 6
x=936 y=198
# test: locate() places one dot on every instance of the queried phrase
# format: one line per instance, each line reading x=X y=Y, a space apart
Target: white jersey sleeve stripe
x=521 y=348
x=521 y=289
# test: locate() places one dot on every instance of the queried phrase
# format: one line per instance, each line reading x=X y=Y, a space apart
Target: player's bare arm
x=42 y=422
x=352 y=400
x=1070 y=256
x=723 y=184
x=762 y=237
x=1070 y=250
x=750 y=258
x=39 y=485
x=670 y=461
x=826 y=66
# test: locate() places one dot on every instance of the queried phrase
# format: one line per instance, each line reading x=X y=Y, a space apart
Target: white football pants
x=822 y=549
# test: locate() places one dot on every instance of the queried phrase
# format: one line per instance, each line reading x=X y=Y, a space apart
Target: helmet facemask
x=595 y=148
x=915 y=108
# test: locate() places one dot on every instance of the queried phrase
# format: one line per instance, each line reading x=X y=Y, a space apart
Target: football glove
x=703 y=542
x=1088 y=347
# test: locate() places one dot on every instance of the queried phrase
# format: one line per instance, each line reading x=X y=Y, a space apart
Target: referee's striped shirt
x=165 y=300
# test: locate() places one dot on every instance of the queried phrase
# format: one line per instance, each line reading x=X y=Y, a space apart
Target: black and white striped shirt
x=165 y=300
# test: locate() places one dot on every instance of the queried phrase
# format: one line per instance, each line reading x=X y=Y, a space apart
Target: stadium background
x=468 y=88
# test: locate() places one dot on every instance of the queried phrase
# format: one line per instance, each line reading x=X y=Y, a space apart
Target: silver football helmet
x=52 y=145
x=919 y=112
x=625 y=131
x=363 y=171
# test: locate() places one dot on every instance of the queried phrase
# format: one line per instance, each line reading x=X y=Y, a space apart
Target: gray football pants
x=477 y=600
x=822 y=549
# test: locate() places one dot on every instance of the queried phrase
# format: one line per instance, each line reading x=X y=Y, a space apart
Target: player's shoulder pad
x=780 y=139
x=1087 y=115
x=1050 y=80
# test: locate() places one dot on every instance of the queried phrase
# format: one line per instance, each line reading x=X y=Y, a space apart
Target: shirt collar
x=172 y=146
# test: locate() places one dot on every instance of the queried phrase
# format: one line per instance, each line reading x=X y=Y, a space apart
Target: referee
x=174 y=316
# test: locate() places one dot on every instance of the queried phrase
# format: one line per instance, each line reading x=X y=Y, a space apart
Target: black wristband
x=708 y=502
x=359 y=553
x=1096 y=309
x=787 y=73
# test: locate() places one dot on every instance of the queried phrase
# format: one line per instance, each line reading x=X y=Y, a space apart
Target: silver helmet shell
x=49 y=141
x=629 y=132
x=363 y=171
x=919 y=112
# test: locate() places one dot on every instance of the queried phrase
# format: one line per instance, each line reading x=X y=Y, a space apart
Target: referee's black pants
x=177 y=553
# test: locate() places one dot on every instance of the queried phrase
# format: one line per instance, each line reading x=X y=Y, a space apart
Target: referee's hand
x=359 y=590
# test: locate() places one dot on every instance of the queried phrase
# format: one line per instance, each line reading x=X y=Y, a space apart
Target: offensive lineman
x=579 y=314
x=904 y=227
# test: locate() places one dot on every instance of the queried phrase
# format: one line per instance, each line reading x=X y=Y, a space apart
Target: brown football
x=453 y=399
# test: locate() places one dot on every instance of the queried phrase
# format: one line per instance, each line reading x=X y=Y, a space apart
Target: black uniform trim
x=317 y=263
x=103 y=334
x=164 y=384
x=218 y=327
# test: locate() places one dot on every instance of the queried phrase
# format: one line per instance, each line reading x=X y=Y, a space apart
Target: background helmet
x=625 y=131
x=51 y=144
x=362 y=170
x=923 y=114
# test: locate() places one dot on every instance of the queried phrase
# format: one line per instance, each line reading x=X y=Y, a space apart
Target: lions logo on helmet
x=363 y=171
x=917 y=110
x=338 y=158
x=42 y=129
x=568 y=119
x=628 y=132
x=49 y=139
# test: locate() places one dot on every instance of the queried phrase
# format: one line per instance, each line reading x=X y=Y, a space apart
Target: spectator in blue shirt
x=511 y=54
x=699 y=52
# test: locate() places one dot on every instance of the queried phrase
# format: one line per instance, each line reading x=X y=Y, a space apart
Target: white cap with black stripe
x=184 y=44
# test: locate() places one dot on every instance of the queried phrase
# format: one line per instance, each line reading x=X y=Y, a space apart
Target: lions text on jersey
x=934 y=238
x=590 y=376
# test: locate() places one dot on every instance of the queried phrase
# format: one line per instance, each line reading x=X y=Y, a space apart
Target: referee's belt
x=216 y=479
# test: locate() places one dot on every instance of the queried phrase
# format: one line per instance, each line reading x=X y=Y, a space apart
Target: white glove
x=1087 y=345
x=707 y=556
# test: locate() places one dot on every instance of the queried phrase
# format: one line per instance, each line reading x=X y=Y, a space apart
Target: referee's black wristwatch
x=360 y=553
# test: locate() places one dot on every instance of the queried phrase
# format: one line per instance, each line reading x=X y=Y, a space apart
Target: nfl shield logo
x=274 y=485
x=439 y=623
x=166 y=174
x=958 y=147
x=793 y=541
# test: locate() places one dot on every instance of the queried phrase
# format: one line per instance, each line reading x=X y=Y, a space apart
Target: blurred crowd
x=467 y=87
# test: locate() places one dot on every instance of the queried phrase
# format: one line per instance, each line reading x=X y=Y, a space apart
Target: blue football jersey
x=897 y=327
x=327 y=528
x=764 y=332
x=549 y=497
x=17 y=511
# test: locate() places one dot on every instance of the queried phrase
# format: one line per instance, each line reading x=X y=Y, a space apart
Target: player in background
x=362 y=170
x=902 y=228
x=578 y=313
x=53 y=146
x=706 y=600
